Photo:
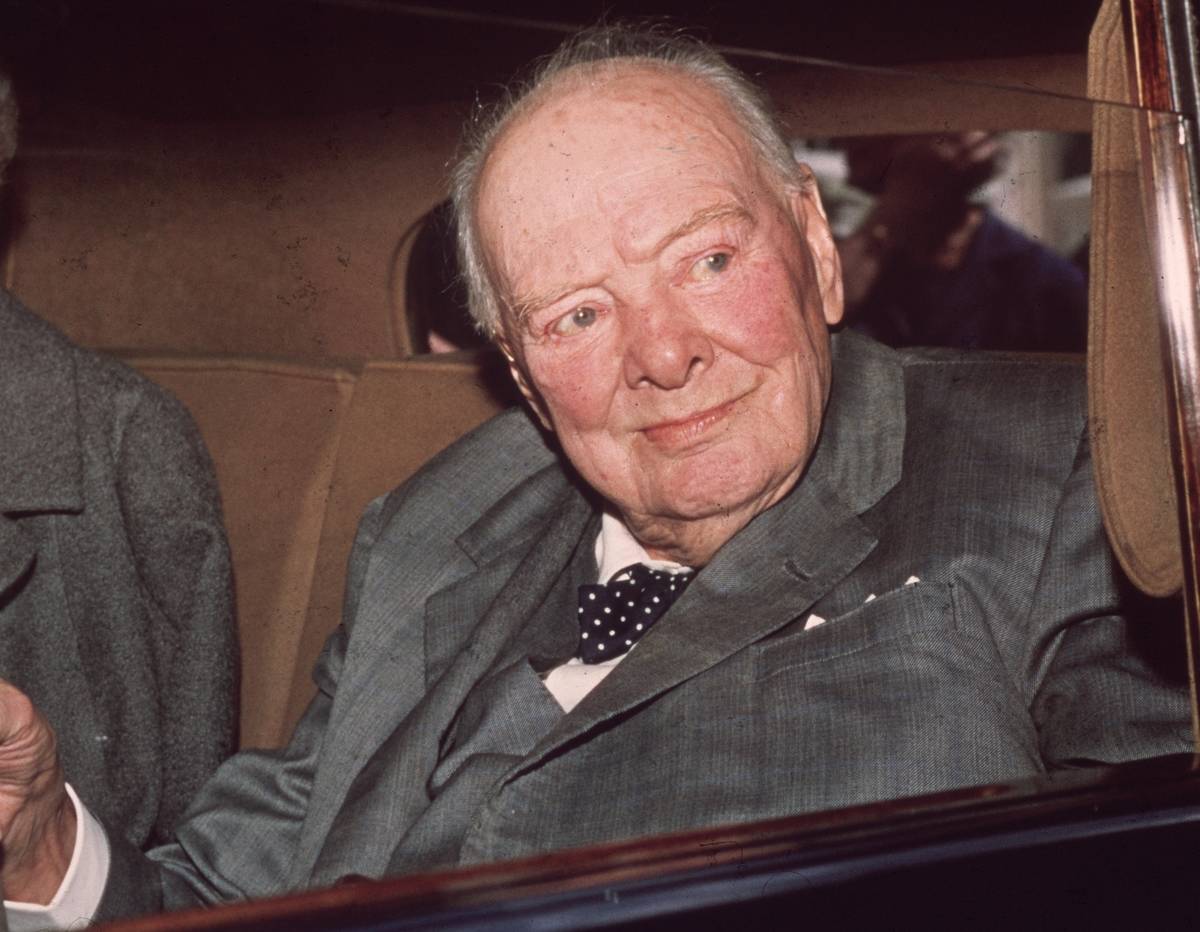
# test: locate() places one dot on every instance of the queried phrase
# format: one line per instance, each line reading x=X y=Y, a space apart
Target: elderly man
x=752 y=572
x=115 y=589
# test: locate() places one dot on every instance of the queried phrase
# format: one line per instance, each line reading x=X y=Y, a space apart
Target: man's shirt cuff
x=78 y=896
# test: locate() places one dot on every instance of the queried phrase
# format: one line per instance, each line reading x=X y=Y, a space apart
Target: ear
x=804 y=201
x=524 y=385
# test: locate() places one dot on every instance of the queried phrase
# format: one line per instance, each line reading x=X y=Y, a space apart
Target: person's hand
x=924 y=196
x=37 y=820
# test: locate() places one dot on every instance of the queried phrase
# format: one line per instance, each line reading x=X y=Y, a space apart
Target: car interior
x=248 y=208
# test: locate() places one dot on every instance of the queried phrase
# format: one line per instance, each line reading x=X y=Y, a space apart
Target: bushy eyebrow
x=702 y=218
x=525 y=306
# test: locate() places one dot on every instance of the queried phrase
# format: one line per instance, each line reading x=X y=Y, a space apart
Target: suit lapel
x=761 y=581
x=390 y=647
x=551 y=635
x=17 y=551
x=537 y=620
x=526 y=590
x=41 y=461
x=783 y=562
x=393 y=764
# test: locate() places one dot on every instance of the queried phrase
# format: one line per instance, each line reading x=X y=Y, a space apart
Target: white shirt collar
x=616 y=549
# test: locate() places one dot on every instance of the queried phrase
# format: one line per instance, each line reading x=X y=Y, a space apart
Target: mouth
x=685 y=432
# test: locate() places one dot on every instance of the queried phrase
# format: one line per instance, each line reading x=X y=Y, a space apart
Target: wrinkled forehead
x=602 y=116
x=601 y=139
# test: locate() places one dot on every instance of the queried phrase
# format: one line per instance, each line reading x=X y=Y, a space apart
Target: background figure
x=929 y=267
x=115 y=595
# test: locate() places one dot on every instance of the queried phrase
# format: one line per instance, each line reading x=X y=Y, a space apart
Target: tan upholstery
x=1130 y=431
x=285 y=235
x=273 y=431
x=299 y=452
x=403 y=413
x=840 y=101
x=270 y=237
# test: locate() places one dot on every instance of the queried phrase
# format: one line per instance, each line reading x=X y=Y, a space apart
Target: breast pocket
x=916 y=612
x=883 y=701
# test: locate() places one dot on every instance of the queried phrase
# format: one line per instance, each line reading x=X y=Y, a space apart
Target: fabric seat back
x=273 y=430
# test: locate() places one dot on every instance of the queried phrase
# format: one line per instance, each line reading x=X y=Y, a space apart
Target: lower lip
x=680 y=434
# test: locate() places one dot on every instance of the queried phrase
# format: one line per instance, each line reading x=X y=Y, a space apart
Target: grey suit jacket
x=115 y=599
x=433 y=742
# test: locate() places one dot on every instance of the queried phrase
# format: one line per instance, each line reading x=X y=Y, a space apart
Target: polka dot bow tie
x=613 y=615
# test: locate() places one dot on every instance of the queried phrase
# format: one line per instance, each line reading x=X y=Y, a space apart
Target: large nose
x=665 y=345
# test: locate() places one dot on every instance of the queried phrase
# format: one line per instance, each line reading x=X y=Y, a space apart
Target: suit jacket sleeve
x=242 y=829
x=1106 y=671
x=169 y=500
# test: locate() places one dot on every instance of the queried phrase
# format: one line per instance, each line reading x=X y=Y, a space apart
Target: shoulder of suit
x=1049 y=383
x=470 y=477
x=93 y=396
x=982 y=365
x=1003 y=413
x=950 y=386
x=33 y=347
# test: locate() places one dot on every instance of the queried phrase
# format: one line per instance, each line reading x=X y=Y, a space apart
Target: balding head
x=577 y=147
x=592 y=56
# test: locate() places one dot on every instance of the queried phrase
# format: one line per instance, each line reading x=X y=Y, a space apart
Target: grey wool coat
x=116 y=612
x=432 y=740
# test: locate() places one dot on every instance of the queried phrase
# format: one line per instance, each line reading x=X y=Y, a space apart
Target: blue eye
x=579 y=319
x=709 y=266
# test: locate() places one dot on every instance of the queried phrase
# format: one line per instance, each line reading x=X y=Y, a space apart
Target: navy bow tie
x=613 y=615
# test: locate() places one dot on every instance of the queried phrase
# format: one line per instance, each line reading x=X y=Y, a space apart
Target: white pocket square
x=814 y=620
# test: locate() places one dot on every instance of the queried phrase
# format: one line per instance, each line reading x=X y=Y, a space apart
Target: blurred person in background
x=930 y=266
x=115 y=591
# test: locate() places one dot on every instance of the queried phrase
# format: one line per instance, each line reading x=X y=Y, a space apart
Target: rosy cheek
x=761 y=319
x=574 y=386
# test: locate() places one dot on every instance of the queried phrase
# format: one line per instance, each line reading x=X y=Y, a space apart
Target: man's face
x=667 y=299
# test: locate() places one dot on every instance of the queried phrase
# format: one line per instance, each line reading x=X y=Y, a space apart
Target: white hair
x=598 y=46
